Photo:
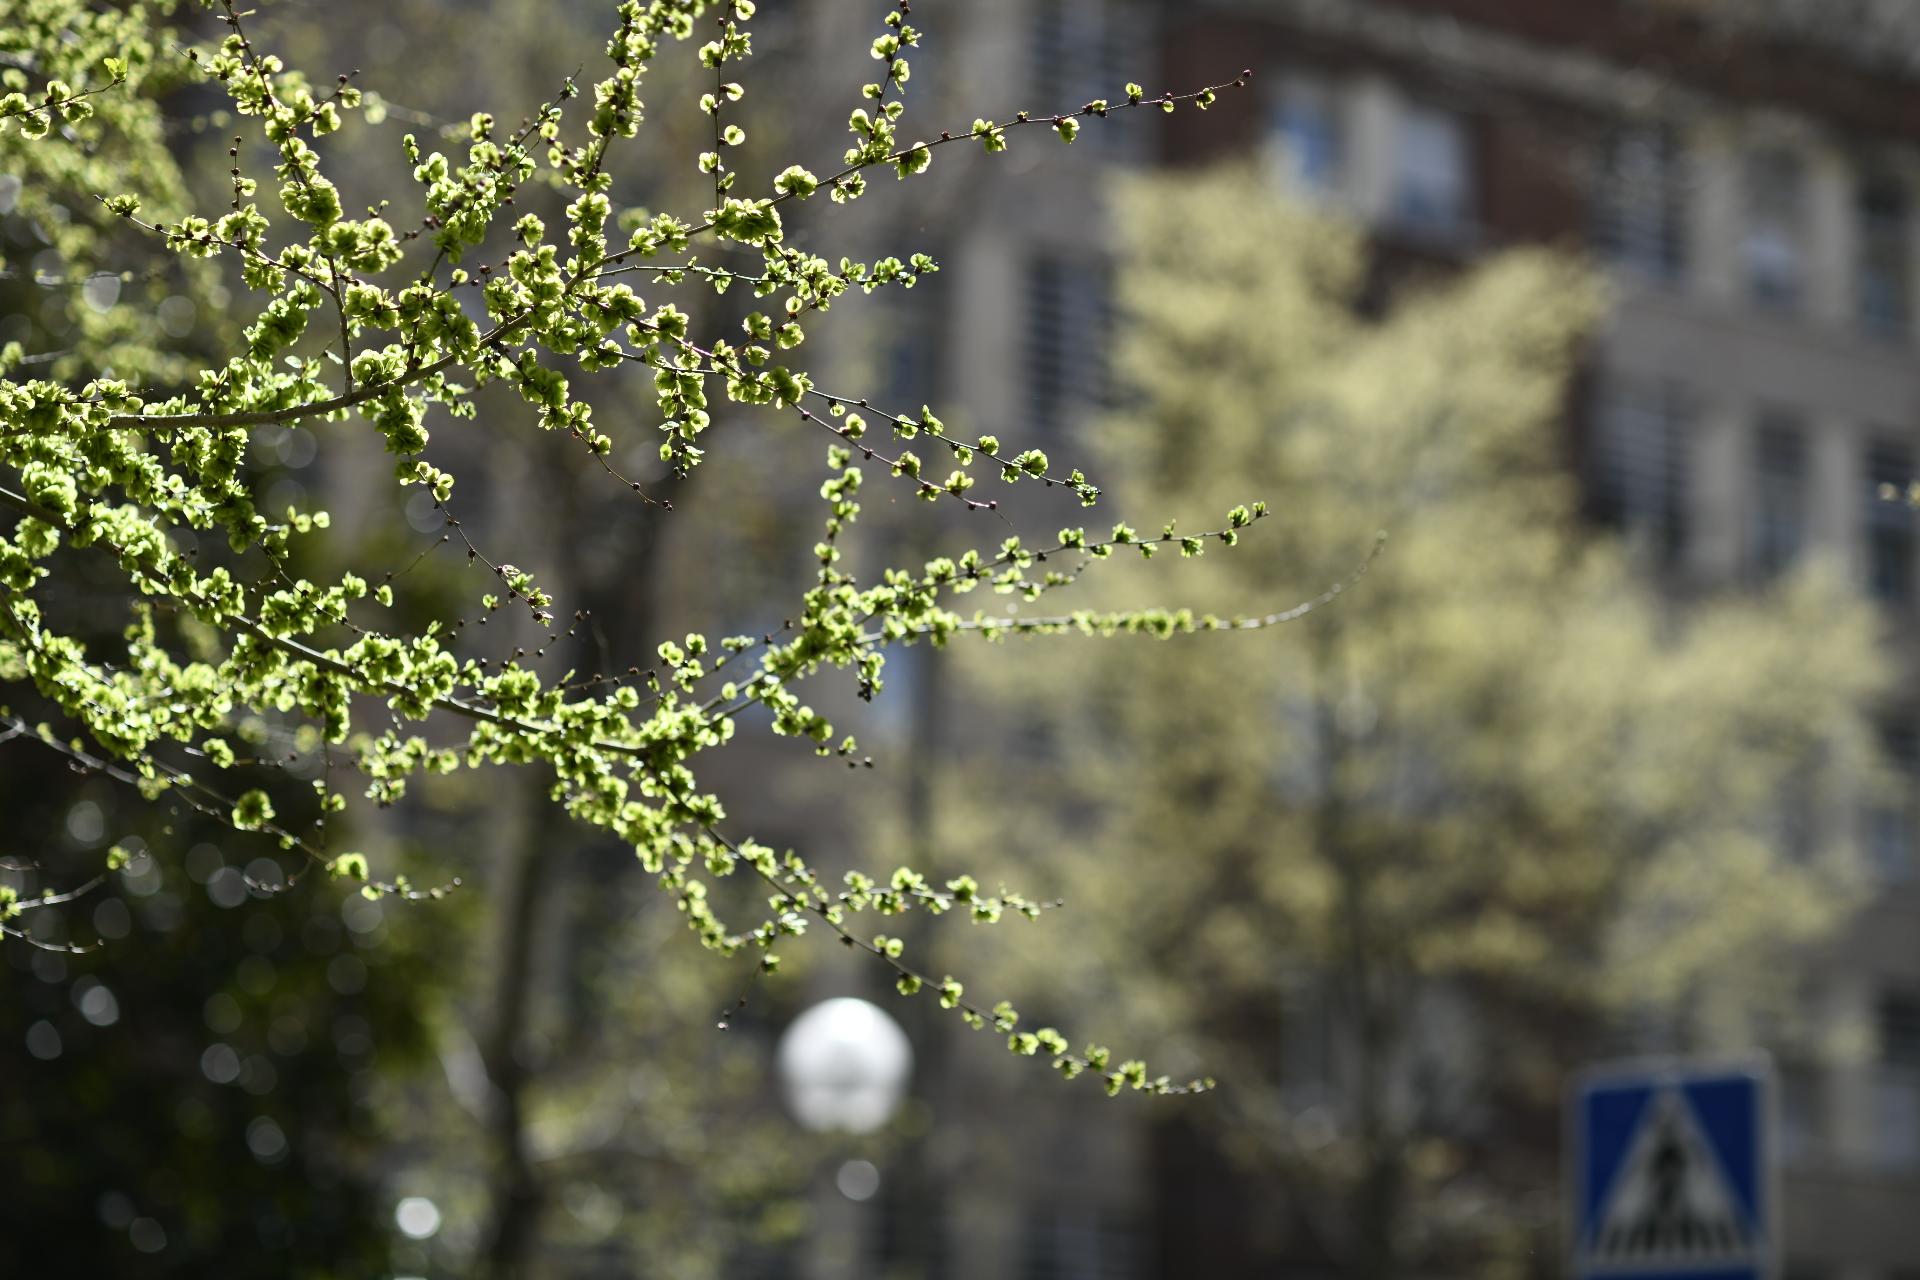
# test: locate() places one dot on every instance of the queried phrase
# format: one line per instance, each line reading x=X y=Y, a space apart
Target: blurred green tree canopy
x=1391 y=868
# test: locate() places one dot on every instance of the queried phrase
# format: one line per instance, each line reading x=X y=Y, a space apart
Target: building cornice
x=1608 y=55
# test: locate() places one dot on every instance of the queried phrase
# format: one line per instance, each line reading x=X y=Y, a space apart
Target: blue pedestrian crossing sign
x=1671 y=1174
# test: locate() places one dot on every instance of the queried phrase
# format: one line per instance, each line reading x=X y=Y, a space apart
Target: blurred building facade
x=1750 y=176
x=1750 y=179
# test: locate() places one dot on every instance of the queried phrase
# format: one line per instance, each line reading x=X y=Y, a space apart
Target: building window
x=1899 y=1018
x=909 y=358
x=1068 y=321
x=1774 y=245
x=1897 y=1095
x=1884 y=263
x=1779 y=493
x=1082 y=50
x=1642 y=204
x=1307 y=140
x=1433 y=172
x=1638 y=464
x=1889 y=817
x=1061 y=1243
x=1889 y=531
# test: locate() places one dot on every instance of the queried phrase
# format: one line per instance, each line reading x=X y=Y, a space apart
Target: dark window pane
x=1773 y=248
x=1068 y=320
x=1884 y=264
x=1433 y=176
x=1638 y=464
x=1640 y=208
x=1307 y=136
x=1899 y=1019
x=1888 y=820
x=1080 y=50
x=1780 y=485
x=1889 y=521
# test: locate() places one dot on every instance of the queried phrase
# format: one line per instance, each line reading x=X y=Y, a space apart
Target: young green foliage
x=131 y=457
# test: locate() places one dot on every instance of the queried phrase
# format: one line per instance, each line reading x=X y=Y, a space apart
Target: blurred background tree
x=1392 y=869
x=193 y=1062
x=202 y=1093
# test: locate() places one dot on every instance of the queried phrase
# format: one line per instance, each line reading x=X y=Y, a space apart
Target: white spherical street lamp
x=844 y=1065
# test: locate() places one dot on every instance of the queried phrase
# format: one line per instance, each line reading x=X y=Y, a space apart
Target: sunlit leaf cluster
x=516 y=269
